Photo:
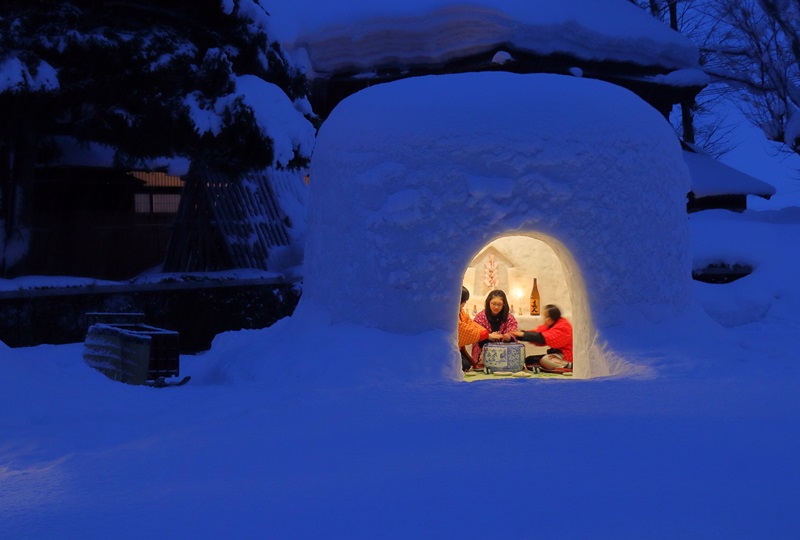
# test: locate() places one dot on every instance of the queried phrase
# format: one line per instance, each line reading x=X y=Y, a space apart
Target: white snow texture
x=412 y=179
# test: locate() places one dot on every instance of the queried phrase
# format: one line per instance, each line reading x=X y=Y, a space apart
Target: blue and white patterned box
x=504 y=357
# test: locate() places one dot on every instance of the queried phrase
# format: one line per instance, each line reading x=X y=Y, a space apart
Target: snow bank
x=769 y=292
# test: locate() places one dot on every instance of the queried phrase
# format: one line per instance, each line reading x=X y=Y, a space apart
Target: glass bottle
x=535 y=298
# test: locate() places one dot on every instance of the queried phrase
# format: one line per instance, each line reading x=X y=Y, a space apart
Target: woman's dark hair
x=464 y=294
x=552 y=312
x=495 y=321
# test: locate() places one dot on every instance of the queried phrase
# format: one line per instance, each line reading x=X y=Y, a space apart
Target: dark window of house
x=156 y=203
x=166 y=203
x=141 y=203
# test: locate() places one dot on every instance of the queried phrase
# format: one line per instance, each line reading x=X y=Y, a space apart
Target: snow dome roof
x=412 y=178
x=335 y=36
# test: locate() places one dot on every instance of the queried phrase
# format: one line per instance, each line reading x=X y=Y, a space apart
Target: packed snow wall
x=409 y=180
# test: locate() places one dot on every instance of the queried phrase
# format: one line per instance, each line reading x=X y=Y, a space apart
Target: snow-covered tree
x=699 y=120
x=757 y=53
x=154 y=80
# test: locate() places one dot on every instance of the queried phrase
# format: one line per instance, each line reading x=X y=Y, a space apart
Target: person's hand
x=518 y=333
x=494 y=336
x=506 y=337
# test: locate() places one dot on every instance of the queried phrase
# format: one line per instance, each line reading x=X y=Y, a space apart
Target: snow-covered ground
x=701 y=443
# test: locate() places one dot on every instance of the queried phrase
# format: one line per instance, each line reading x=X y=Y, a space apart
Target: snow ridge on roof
x=353 y=38
x=711 y=177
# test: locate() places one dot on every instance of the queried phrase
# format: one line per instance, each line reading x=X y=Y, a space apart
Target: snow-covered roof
x=711 y=177
x=333 y=36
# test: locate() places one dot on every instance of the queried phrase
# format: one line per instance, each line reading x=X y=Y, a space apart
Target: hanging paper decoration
x=490 y=273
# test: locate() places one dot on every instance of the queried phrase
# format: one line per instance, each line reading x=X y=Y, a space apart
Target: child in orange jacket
x=468 y=332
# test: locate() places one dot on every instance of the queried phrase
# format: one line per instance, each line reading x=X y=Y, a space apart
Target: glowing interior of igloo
x=517 y=261
x=511 y=264
x=414 y=179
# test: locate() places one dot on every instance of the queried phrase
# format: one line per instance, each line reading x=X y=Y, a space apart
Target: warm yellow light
x=517 y=293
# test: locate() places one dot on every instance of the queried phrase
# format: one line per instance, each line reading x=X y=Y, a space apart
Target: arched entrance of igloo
x=511 y=263
x=515 y=262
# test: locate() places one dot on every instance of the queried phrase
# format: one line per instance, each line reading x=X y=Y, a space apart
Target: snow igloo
x=412 y=180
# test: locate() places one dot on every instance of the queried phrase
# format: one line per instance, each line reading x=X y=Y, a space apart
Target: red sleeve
x=559 y=336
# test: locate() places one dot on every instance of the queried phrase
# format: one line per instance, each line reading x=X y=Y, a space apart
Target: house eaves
x=712 y=178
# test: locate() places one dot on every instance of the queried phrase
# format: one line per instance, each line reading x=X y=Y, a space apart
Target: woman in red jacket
x=555 y=333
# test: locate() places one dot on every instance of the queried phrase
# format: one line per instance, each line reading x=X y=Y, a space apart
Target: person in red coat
x=555 y=333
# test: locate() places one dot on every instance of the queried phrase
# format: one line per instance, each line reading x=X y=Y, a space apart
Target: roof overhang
x=712 y=178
